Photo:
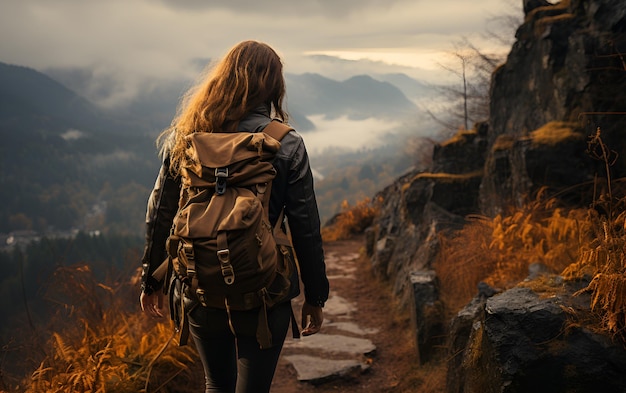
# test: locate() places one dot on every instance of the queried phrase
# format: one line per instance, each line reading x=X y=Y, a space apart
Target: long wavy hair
x=250 y=75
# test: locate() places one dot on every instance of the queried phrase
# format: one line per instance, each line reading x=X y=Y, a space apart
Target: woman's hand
x=152 y=304
x=312 y=319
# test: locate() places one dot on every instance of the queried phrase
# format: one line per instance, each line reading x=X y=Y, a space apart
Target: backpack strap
x=277 y=130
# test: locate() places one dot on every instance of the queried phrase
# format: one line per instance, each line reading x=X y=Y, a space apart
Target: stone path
x=342 y=349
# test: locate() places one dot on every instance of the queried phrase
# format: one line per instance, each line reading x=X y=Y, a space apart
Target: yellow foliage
x=448 y=177
x=555 y=132
x=108 y=349
x=499 y=250
x=578 y=244
x=352 y=220
x=460 y=136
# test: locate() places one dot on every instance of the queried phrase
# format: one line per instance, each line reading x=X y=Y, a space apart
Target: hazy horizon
x=130 y=45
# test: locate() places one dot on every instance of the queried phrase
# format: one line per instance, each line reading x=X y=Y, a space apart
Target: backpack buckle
x=224 y=256
x=201 y=296
x=221 y=174
x=190 y=259
x=229 y=274
x=227 y=269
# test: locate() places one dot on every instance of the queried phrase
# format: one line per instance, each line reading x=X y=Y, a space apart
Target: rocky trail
x=364 y=345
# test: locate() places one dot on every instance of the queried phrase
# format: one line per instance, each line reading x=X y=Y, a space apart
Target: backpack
x=222 y=248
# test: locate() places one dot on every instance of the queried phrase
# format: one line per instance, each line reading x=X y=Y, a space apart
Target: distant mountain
x=28 y=97
x=359 y=97
x=412 y=88
x=62 y=158
x=308 y=94
x=69 y=163
x=150 y=111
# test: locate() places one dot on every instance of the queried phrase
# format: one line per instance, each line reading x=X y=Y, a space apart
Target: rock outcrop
x=566 y=69
x=421 y=204
x=564 y=79
x=523 y=340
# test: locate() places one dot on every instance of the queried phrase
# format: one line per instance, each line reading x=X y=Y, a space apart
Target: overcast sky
x=133 y=45
x=162 y=38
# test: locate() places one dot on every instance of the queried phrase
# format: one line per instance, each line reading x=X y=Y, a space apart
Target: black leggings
x=236 y=364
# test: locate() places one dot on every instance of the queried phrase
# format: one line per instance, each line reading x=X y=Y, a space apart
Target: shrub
x=352 y=220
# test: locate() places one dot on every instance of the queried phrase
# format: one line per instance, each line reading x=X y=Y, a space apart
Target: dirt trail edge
x=364 y=345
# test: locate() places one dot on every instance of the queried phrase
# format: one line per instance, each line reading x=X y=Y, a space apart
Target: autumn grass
x=101 y=344
x=352 y=220
x=499 y=250
x=503 y=142
x=580 y=244
x=460 y=136
x=555 y=132
x=98 y=341
x=444 y=177
x=605 y=255
x=548 y=10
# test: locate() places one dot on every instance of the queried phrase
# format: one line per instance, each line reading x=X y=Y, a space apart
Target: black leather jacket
x=292 y=189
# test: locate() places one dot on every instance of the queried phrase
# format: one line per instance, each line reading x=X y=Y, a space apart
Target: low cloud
x=72 y=135
x=352 y=135
x=116 y=157
x=335 y=9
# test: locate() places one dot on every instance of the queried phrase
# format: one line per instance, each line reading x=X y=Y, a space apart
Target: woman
x=239 y=95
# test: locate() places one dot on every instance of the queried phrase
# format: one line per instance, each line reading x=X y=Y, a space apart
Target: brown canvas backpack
x=222 y=248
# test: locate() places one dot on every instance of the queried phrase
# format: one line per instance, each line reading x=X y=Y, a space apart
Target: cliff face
x=564 y=78
x=568 y=65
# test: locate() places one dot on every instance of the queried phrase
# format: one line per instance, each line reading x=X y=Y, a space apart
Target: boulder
x=525 y=341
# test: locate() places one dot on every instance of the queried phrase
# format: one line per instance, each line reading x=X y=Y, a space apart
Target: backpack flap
x=202 y=214
x=246 y=155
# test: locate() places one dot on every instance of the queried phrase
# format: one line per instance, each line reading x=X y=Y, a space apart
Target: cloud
x=278 y=9
x=339 y=68
x=129 y=42
x=351 y=135
x=72 y=134
x=345 y=133
x=113 y=158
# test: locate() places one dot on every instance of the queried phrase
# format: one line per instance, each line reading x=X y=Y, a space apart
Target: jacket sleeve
x=293 y=190
x=160 y=212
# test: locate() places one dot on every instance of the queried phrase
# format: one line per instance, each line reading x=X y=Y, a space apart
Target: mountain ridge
x=90 y=153
x=307 y=94
x=27 y=94
x=314 y=94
